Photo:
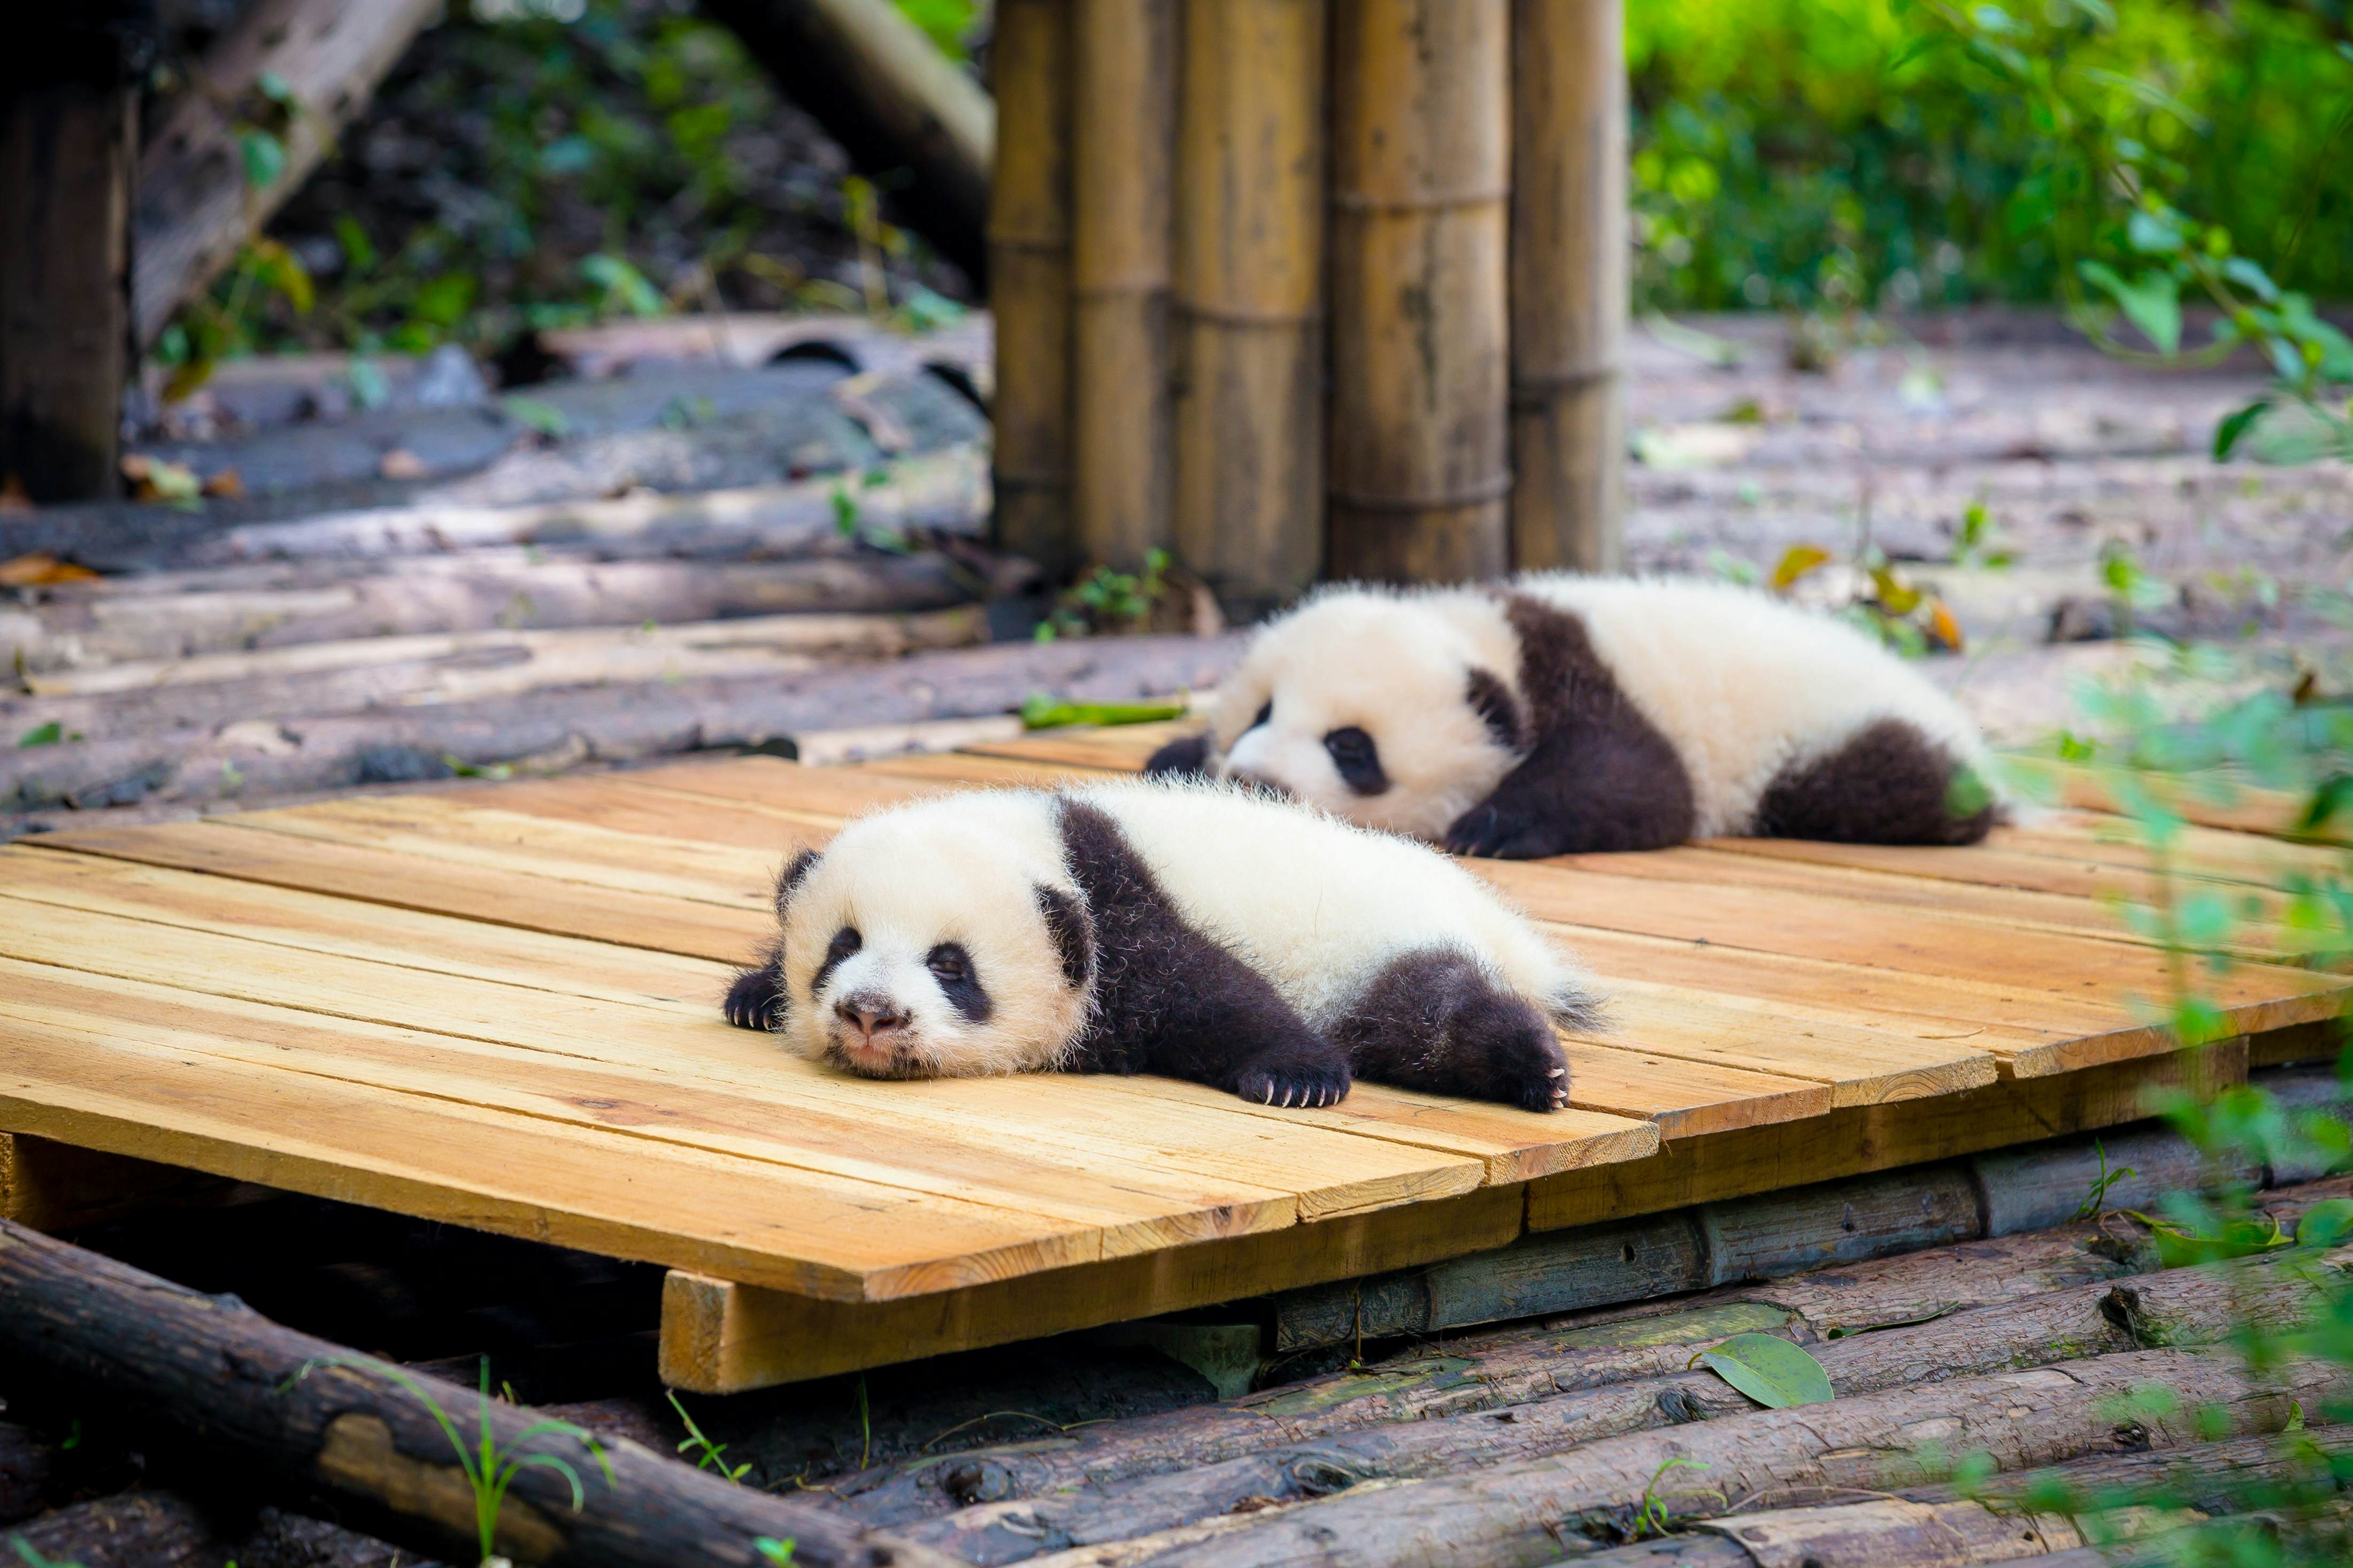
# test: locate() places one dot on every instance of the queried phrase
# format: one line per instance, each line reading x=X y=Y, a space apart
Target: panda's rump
x=1887 y=784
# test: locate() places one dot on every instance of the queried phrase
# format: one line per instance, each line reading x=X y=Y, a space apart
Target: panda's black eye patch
x=844 y=941
x=951 y=965
x=1265 y=711
x=1358 y=759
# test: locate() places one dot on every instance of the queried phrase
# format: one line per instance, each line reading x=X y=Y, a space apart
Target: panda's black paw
x=1505 y=1050
x=756 y=1001
x=1497 y=835
x=1187 y=758
x=1294 y=1082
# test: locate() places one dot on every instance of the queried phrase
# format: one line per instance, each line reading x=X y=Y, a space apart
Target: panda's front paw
x=1187 y=758
x=1497 y=835
x=756 y=1001
x=1294 y=1081
x=1503 y=1048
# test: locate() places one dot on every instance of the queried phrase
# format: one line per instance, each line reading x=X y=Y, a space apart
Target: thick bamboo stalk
x=1569 y=284
x=1249 y=265
x=1123 y=155
x=1420 y=178
x=1030 y=280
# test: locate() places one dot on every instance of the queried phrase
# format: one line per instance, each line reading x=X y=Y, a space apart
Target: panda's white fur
x=1317 y=908
x=1744 y=687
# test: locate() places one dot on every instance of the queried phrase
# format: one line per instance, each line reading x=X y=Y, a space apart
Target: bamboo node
x=1487 y=196
x=1241 y=318
x=1494 y=488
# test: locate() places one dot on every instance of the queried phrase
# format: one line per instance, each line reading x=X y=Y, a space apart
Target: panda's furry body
x=1556 y=714
x=1196 y=930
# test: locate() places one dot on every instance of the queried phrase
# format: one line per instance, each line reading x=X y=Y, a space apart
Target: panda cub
x=1196 y=930
x=1556 y=713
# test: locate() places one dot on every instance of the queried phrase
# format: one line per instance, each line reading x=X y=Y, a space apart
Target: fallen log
x=302 y=69
x=1520 y=1515
x=2189 y=1307
x=130 y=1529
x=115 y=621
x=561 y=729
x=893 y=101
x=282 y=1540
x=30 y=1474
x=310 y=1415
x=1506 y=1367
x=211 y=692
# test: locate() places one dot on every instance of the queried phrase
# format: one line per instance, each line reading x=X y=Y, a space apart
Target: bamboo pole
x=1123 y=155
x=1568 y=285
x=1029 y=281
x=1420 y=176
x=1249 y=263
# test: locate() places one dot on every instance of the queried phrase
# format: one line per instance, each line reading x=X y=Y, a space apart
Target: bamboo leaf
x=2228 y=433
x=1043 y=712
x=1797 y=562
x=1771 y=1370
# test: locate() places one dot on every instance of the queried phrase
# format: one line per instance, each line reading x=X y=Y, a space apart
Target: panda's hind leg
x=1435 y=1020
x=1886 y=784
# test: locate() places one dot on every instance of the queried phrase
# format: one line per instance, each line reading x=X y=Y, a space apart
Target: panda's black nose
x=872 y=1013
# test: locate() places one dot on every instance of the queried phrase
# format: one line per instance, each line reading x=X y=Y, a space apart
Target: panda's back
x=1744 y=686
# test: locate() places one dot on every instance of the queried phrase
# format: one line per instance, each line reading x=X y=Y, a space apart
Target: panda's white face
x=1386 y=710
x=919 y=945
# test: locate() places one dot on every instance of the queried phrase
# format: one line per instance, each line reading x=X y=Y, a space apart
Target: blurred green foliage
x=1803 y=153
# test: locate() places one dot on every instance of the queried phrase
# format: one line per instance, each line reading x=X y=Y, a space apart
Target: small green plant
x=1655 y=1516
x=490 y=1466
x=709 y=1456
x=1105 y=602
x=33 y=1558
x=2096 y=1200
x=771 y=1549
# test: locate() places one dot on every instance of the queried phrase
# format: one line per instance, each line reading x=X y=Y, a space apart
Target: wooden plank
x=1684 y=1097
x=1331 y=1170
x=1868 y=1138
x=2254 y=997
x=2210 y=800
x=1993 y=863
x=774 y=784
x=972 y=770
x=2003 y=904
x=722 y=1337
x=55 y=1186
x=1115 y=748
x=479 y=893
x=1861 y=1065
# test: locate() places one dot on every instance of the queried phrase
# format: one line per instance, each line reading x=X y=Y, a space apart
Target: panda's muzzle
x=876 y=1016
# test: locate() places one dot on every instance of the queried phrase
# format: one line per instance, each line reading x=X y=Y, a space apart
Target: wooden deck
x=498 y=1007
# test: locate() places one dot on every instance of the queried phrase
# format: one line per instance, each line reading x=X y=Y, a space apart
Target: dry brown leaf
x=400 y=463
x=39 y=570
x=229 y=485
x=1945 y=624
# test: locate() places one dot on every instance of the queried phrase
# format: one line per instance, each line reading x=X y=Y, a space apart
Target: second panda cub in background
x=1556 y=714
x=1194 y=929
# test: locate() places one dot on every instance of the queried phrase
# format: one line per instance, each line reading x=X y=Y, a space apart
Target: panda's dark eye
x=951 y=965
x=948 y=961
x=844 y=941
x=1265 y=711
x=1358 y=760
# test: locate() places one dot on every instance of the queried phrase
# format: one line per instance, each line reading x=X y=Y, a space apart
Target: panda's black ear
x=1073 y=930
x=795 y=871
x=1491 y=700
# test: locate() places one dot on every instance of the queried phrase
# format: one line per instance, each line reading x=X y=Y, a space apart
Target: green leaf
x=772 y=1550
x=2325 y=1224
x=48 y=734
x=1771 y=1370
x=2227 y=434
x=264 y=156
x=543 y=417
x=276 y=88
x=623 y=285
x=1043 y=712
x=2152 y=302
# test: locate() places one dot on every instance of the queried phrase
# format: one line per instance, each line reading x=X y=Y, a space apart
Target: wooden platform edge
x=719 y=1337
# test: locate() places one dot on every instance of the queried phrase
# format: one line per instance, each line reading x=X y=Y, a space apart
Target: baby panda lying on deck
x=1554 y=714
x=1195 y=929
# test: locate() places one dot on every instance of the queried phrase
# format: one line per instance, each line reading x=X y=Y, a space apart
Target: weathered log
x=1568 y=285
x=66 y=149
x=130 y=1529
x=893 y=101
x=211 y=692
x=1518 y=1515
x=1484 y=1371
x=2213 y=1478
x=282 y=1540
x=30 y=1477
x=309 y=1414
x=1882 y=1533
x=197 y=203
x=545 y=731
x=113 y=621
x=1421 y=180
x=1249 y=294
x=2186 y=1308
x=1030 y=280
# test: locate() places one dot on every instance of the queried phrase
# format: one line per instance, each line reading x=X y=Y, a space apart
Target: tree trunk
x=1519 y=1515
x=313 y=1415
x=2187 y=1308
x=67 y=152
x=893 y=101
x=1421 y=180
x=197 y=205
x=1568 y=285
